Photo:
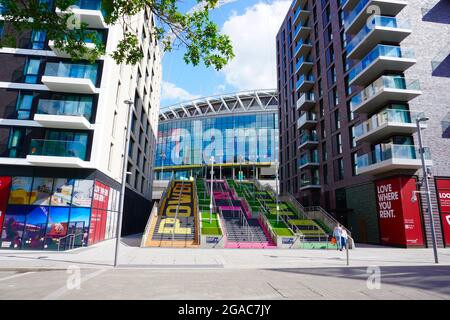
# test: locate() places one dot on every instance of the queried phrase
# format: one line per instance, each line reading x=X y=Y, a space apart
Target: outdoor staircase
x=242 y=230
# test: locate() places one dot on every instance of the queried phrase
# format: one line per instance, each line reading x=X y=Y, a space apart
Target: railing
x=313 y=182
x=72 y=70
x=376 y=21
x=70 y=238
x=306 y=117
x=197 y=212
x=384 y=82
x=391 y=151
x=306 y=96
x=65 y=107
x=308 y=159
x=58 y=148
x=350 y=16
x=152 y=216
x=301 y=43
x=175 y=219
x=308 y=138
x=380 y=50
x=385 y=117
x=301 y=61
x=303 y=79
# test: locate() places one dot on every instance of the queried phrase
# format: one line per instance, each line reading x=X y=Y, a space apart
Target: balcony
x=89 y=12
x=91 y=37
x=306 y=101
x=383 y=91
x=387 y=123
x=389 y=157
x=307 y=121
x=64 y=114
x=305 y=83
x=308 y=141
x=381 y=58
x=300 y=16
x=357 y=17
x=308 y=161
x=57 y=153
x=309 y=184
x=301 y=32
x=302 y=48
x=303 y=65
x=383 y=29
x=71 y=78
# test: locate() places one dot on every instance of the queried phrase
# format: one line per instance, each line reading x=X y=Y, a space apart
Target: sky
x=252 y=26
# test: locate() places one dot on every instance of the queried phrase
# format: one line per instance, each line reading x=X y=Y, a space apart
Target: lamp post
x=427 y=186
x=211 y=194
x=129 y=103
x=276 y=191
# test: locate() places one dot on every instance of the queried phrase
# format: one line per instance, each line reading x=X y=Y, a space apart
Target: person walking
x=344 y=238
x=337 y=232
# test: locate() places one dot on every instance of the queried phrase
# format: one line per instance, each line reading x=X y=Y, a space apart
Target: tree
x=173 y=29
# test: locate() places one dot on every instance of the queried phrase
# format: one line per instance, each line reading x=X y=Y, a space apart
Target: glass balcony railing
x=350 y=16
x=301 y=61
x=65 y=108
x=308 y=137
x=307 y=116
x=58 y=148
x=303 y=79
x=385 y=117
x=379 y=51
x=389 y=151
x=89 y=4
x=298 y=28
x=72 y=70
x=384 y=82
x=306 y=96
x=376 y=21
x=307 y=182
x=308 y=159
x=300 y=43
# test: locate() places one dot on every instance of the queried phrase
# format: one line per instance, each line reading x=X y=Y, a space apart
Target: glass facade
x=56 y=213
x=246 y=138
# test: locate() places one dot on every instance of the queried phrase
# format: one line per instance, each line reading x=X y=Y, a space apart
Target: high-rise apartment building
x=62 y=136
x=353 y=78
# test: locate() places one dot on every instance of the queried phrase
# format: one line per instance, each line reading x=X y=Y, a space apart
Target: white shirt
x=344 y=234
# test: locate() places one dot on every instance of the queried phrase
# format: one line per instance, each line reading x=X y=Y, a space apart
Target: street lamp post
x=129 y=103
x=427 y=186
x=211 y=194
x=276 y=191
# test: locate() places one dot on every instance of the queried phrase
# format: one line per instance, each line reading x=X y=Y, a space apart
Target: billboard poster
x=5 y=184
x=82 y=193
x=62 y=192
x=399 y=217
x=20 y=190
x=93 y=226
x=41 y=191
x=443 y=194
x=101 y=196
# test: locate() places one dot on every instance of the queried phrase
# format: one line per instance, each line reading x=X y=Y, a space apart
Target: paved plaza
x=374 y=273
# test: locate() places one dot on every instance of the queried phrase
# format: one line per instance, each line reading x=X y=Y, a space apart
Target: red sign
x=400 y=222
x=5 y=183
x=443 y=192
x=58 y=230
x=101 y=196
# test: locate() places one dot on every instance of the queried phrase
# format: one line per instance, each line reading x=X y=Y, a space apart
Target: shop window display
x=20 y=190
x=41 y=191
x=56 y=227
x=13 y=227
x=62 y=192
x=35 y=227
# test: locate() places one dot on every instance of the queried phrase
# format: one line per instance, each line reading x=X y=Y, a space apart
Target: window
x=38 y=39
x=352 y=141
x=23 y=107
x=325 y=174
x=31 y=70
x=339 y=163
x=337 y=120
x=338 y=144
x=354 y=163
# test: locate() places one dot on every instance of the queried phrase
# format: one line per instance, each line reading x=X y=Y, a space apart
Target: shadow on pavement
x=433 y=278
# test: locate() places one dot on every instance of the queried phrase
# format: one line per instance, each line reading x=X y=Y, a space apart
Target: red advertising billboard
x=101 y=196
x=5 y=183
x=399 y=217
x=443 y=195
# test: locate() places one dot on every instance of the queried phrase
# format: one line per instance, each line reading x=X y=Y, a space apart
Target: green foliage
x=172 y=28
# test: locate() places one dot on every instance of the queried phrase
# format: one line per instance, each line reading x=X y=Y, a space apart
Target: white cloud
x=254 y=42
x=176 y=94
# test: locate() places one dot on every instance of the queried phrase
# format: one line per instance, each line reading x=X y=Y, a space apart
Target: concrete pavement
x=224 y=274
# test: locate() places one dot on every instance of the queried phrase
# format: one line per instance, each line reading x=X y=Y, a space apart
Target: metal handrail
x=176 y=212
x=155 y=209
x=198 y=213
x=62 y=238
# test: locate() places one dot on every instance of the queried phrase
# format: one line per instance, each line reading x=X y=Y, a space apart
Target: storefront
x=41 y=213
